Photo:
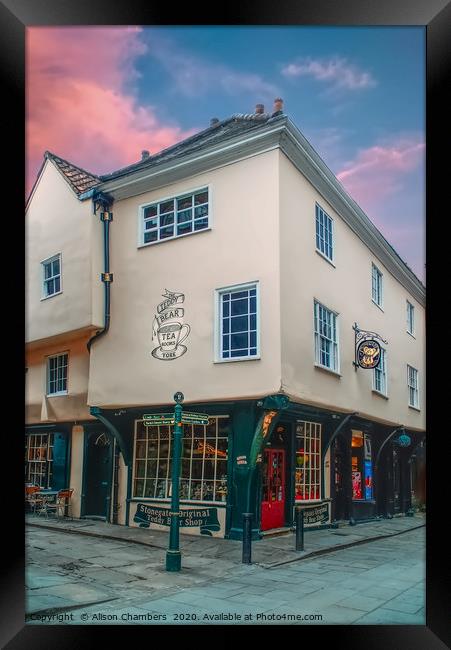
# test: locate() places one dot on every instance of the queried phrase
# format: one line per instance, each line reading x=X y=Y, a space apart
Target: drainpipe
x=104 y=202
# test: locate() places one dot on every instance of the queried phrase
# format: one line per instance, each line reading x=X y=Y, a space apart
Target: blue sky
x=357 y=94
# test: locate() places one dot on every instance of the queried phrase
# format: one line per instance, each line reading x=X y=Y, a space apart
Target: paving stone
x=402 y=606
x=365 y=603
x=37 y=602
x=383 y=616
x=38 y=581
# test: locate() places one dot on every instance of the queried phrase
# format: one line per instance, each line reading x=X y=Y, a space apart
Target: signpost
x=177 y=419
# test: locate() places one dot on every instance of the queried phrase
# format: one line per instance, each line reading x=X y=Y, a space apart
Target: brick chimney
x=144 y=154
x=259 y=109
x=278 y=106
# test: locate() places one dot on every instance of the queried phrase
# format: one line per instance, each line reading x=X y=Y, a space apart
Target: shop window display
x=203 y=475
x=308 y=461
x=362 y=473
x=39 y=459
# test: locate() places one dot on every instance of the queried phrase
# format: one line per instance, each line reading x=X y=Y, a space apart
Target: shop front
x=263 y=457
x=47 y=455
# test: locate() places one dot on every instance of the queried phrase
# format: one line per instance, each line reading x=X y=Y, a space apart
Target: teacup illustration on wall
x=169 y=333
x=170 y=336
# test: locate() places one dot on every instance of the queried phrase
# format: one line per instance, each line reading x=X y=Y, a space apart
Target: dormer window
x=175 y=217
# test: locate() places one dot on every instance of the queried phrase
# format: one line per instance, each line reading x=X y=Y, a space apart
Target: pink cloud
x=81 y=102
x=336 y=71
x=378 y=171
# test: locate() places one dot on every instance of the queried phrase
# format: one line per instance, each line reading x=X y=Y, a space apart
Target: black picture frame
x=435 y=16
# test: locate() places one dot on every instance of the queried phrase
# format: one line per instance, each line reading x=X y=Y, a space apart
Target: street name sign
x=194 y=418
x=153 y=419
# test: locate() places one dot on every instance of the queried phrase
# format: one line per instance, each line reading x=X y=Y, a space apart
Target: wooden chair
x=31 y=497
x=61 y=503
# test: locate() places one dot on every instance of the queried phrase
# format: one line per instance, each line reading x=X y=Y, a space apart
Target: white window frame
x=218 y=321
x=332 y=234
x=382 y=363
x=312 y=430
x=141 y=230
x=36 y=467
x=380 y=287
x=168 y=478
x=410 y=318
x=317 y=337
x=53 y=258
x=416 y=388
x=47 y=377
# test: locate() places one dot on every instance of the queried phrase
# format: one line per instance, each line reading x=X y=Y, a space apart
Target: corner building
x=233 y=267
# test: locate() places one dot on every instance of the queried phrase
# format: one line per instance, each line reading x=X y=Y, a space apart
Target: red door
x=273 y=496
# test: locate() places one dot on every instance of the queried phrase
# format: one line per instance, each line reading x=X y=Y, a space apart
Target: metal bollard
x=299 y=515
x=247 y=537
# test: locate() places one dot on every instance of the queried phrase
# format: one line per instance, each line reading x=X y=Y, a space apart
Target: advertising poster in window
x=356 y=485
x=368 y=480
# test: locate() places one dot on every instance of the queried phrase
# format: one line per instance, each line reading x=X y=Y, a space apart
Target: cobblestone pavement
x=74 y=579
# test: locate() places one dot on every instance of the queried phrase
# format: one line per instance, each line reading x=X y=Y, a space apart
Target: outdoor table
x=48 y=495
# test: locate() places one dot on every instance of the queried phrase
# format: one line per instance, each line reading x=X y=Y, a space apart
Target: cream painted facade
x=262 y=229
x=240 y=247
x=344 y=287
x=261 y=208
x=57 y=222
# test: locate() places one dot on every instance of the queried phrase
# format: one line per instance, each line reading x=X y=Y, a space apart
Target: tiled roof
x=79 y=179
x=235 y=125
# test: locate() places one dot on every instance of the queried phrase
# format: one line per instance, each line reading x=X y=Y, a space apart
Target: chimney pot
x=278 y=105
x=144 y=154
x=213 y=121
x=259 y=109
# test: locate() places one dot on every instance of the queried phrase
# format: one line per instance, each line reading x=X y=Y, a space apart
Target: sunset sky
x=98 y=96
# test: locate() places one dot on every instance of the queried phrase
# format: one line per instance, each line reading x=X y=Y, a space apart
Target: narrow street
x=74 y=579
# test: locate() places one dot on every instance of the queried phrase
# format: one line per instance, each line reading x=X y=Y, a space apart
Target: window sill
x=378 y=306
x=256 y=358
x=328 y=370
x=58 y=293
x=410 y=334
x=321 y=254
x=162 y=241
x=378 y=392
x=57 y=394
x=415 y=408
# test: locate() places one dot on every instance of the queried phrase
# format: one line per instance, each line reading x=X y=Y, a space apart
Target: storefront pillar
x=252 y=426
x=348 y=480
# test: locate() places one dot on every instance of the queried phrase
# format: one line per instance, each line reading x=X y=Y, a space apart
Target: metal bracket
x=360 y=335
x=106 y=277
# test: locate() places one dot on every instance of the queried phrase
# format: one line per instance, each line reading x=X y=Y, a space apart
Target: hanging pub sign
x=368 y=353
x=367 y=348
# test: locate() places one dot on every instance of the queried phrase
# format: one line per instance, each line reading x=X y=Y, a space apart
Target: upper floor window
x=412 y=382
x=174 y=217
x=410 y=318
x=238 y=335
x=51 y=276
x=376 y=285
x=57 y=374
x=324 y=233
x=326 y=337
x=380 y=374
